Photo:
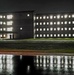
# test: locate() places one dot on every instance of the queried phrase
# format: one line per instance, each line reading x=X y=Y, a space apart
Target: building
x=27 y=24
x=54 y=25
x=16 y=25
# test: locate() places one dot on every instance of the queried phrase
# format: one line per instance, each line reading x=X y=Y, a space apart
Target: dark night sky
x=38 y=5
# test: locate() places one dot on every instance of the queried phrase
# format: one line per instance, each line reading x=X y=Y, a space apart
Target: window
x=73 y=35
x=65 y=28
x=44 y=17
x=62 y=35
x=4 y=35
x=10 y=29
x=37 y=29
x=37 y=17
x=40 y=23
x=4 y=29
x=69 y=22
x=44 y=23
x=51 y=23
x=9 y=22
x=51 y=29
x=62 y=16
x=54 y=16
x=47 y=29
x=44 y=29
x=0 y=35
x=58 y=28
x=54 y=35
x=47 y=35
x=69 y=35
x=65 y=35
x=58 y=35
x=40 y=17
x=65 y=22
x=37 y=23
x=54 y=29
x=47 y=23
x=61 y=22
x=40 y=29
x=37 y=35
x=72 y=15
x=65 y=16
x=0 y=29
x=69 y=28
x=51 y=17
x=58 y=16
x=73 y=28
x=54 y=23
x=51 y=35
x=0 y=22
x=58 y=23
x=62 y=29
x=44 y=35
x=9 y=16
x=72 y=22
x=40 y=35
x=47 y=17
x=69 y=16
x=0 y=16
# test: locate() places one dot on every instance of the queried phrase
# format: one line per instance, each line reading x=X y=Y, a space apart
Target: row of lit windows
x=54 y=35
x=8 y=23
x=6 y=29
x=55 y=23
x=54 y=29
x=55 y=16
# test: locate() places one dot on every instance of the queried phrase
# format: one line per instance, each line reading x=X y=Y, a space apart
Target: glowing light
x=65 y=22
x=58 y=35
x=58 y=16
x=37 y=23
x=37 y=29
x=4 y=29
x=47 y=23
x=9 y=22
x=47 y=17
x=37 y=17
x=51 y=17
x=47 y=29
x=69 y=16
x=51 y=35
x=58 y=28
x=0 y=29
x=69 y=28
x=0 y=22
x=69 y=22
x=40 y=23
x=44 y=29
x=9 y=16
x=54 y=29
x=47 y=35
x=44 y=17
x=51 y=29
x=72 y=15
x=73 y=28
x=65 y=35
x=69 y=35
x=40 y=35
x=21 y=28
x=61 y=16
x=58 y=23
x=40 y=29
x=61 y=28
x=65 y=28
x=44 y=35
x=61 y=22
x=10 y=29
x=54 y=23
x=44 y=23
x=54 y=35
x=51 y=23
x=40 y=17
x=28 y=15
x=65 y=16
x=72 y=22
x=0 y=16
x=62 y=35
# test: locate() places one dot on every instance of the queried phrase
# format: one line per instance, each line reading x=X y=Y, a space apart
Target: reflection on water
x=36 y=65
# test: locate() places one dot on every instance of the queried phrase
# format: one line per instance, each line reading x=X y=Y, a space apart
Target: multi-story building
x=54 y=25
x=27 y=24
x=16 y=25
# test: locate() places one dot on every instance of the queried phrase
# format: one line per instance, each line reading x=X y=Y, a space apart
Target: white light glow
x=20 y=28
x=0 y=29
x=44 y=23
x=51 y=23
x=69 y=22
x=51 y=35
x=40 y=23
x=54 y=23
x=58 y=16
x=65 y=28
x=69 y=35
x=47 y=17
x=47 y=29
x=9 y=16
x=61 y=22
x=4 y=29
x=40 y=17
x=65 y=16
x=51 y=29
x=65 y=35
x=51 y=16
x=47 y=23
x=0 y=16
x=9 y=22
x=58 y=28
x=44 y=17
x=62 y=16
x=62 y=35
x=37 y=29
x=37 y=35
x=10 y=29
x=65 y=22
x=28 y=15
x=72 y=22
x=58 y=35
x=0 y=22
x=44 y=29
x=69 y=28
x=37 y=17
x=72 y=15
x=58 y=23
x=40 y=35
x=54 y=29
x=37 y=23
x=73 y=28
x=54 y=35
x=47 y=35
x=44 y=35
x=40 y=29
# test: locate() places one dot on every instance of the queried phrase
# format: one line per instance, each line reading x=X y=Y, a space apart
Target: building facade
x=27 y=24
x=16 y=25
x=54 y=25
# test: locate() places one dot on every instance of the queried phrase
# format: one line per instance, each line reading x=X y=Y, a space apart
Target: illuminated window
x=73 y=28
x=72 y=15
x=4 y=29
x=47 y=29
x=51 y=29
x=58 y=16
x=4 y=35
x=0 y=35
x=69 y=28
x=51 y=35
x=65 y=35
x=54 y=35
x=47 y=23
x=43 y=29
x=65 y=22
x=3 y=16
x=51 y=23
x=54 y=23
x=44 y=23
x=65 y=16
x=0 y=29
x=69 y=22
x=47 y=17
x=40 y=29
x=37 y=23
x=54 y=16
x=65 y=28
x=54 y=29
x=69 y=35
x=10 y=29
x=73 y=35
x=44 y=35
x=37 y=17
x=20 y=28
x=0 y=22
x=61 y=16
x=47 y=35
x=40 y=23
x=72 y=22
x=9 y=22
x=37 y=35
x=44 y=17
x=28 y=15
x=51 y=17
x=0 y=16
x=58 y=23
x=9 y=16
x=58 y=35
x=37 y=29
x=62 y=35
x=69 y=16
x=4 y=23
x=40 y=17
x=58 y=28
x=62 y=29
x=40 y=35
x=61 y=22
